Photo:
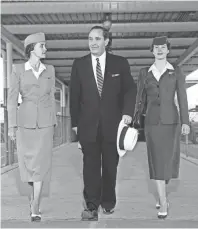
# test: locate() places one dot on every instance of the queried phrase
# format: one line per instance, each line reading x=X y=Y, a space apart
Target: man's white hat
x=126 y=138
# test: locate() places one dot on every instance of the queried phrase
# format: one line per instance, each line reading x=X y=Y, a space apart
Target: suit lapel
x=107 y=67
x=163 y=75
x=91 y=73
x=30 y=76
x=43 y=72
x=167 y=74
x=107 y=70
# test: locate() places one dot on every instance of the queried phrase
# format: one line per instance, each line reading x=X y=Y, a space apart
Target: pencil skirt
x=34 y=152
x=163 y=149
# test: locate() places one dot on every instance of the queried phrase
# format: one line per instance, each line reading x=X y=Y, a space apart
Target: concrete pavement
x=135 y=194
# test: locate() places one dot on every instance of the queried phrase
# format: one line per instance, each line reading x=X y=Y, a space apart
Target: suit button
x=158 y=86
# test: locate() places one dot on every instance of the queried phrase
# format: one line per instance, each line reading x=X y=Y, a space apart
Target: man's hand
x=185 y=129
x=75 y=129
x=127 y=119
x=12 y=133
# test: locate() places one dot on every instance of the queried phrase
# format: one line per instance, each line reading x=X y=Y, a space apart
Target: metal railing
x=62 y=134
x=189 y=147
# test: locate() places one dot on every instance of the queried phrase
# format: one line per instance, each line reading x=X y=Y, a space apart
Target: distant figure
x=156 y=88
x=102 y=93
x=32 y=123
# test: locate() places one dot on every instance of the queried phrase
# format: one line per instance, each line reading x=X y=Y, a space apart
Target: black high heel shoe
x=163 y=215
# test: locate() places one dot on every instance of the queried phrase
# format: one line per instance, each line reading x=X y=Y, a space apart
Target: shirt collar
x=29 y=67
x=102 y=57
x=167 y=66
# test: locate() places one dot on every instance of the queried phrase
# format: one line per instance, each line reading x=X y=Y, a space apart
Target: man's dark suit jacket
x=87 y=108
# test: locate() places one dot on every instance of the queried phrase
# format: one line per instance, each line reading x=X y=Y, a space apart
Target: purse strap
x=140 y=102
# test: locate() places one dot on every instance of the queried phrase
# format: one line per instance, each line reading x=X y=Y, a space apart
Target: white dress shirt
x=157 y=74
x=102 y=60
x=29 y=67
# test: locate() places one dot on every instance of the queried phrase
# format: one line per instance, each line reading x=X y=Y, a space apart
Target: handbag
x=139 y=114
x=138 y=118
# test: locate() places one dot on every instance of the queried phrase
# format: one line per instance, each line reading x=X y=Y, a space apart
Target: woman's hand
x=12 y=133
x=185 y=129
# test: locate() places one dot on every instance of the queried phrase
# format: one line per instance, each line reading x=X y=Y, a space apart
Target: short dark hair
x=28 y=49
x=105 y=31
x=167 y=43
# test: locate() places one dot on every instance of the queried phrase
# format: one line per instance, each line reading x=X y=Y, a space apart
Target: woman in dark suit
x=32 y=124
x=157 y=86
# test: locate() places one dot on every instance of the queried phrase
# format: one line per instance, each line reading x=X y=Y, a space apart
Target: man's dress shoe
x=89 y=215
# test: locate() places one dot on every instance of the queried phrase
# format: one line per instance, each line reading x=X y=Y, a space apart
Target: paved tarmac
x=135 y=194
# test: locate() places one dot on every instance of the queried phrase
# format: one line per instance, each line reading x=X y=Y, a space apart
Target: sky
x=193 y=75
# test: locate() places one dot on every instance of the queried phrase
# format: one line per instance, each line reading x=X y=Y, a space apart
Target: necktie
x=99 y=76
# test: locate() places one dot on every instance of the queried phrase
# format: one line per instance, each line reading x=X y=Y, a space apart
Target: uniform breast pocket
x=46 y=83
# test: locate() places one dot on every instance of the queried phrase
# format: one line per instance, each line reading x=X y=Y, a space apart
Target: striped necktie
x=99 y=76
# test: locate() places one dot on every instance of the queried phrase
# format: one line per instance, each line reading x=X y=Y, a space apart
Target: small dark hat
x=160 y=41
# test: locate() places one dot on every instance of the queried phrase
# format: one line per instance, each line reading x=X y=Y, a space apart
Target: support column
x=9 y=71
x=63 y=114
x=63 y=102
x=69 y=129
x=5 y=93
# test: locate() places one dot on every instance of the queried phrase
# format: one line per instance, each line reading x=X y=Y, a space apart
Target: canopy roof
x=134 y=24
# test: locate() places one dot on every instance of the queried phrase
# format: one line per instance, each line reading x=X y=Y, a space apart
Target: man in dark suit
x=102 y=93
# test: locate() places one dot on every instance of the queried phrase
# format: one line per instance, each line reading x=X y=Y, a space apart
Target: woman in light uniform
x=32 y=124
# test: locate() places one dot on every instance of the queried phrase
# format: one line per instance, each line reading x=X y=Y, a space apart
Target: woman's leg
x=158 y=197
x=161 y=189
x=37 y=196
x=31 y=195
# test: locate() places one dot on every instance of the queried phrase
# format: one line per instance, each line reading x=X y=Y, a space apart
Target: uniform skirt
x=34 y=151
x=163 y=148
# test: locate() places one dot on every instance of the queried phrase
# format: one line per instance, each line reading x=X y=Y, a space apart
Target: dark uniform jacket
x=158 y=97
